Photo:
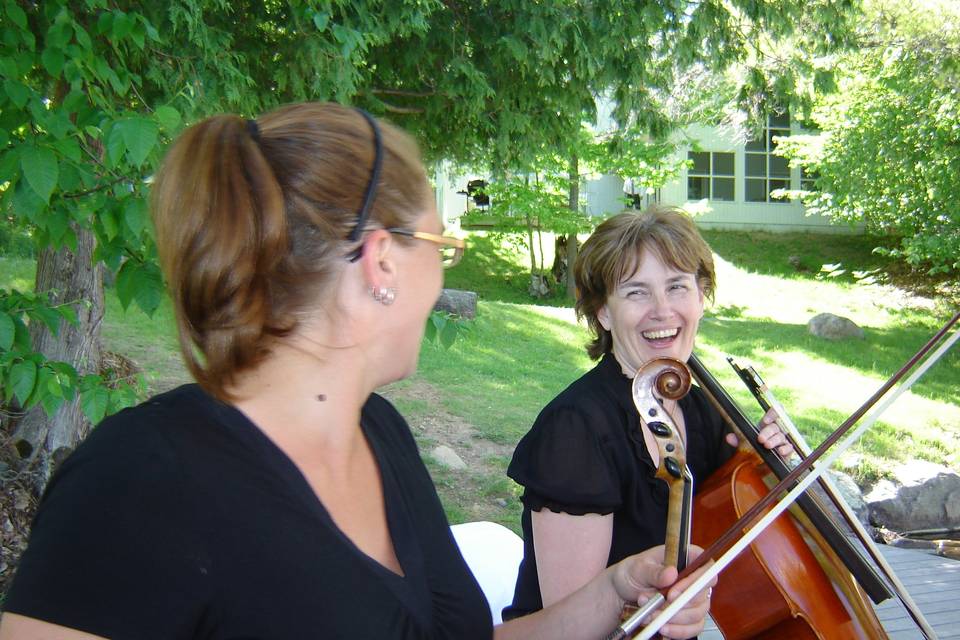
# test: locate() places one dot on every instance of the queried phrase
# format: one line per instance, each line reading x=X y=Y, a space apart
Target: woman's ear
x=379 y=268
x=603 y=316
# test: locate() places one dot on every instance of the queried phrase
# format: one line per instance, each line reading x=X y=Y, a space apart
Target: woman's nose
x=661 y=306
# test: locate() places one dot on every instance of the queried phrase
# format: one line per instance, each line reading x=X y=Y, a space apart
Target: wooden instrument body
x=789 y=584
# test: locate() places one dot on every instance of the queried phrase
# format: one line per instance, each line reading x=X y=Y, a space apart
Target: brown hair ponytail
x=251 y=219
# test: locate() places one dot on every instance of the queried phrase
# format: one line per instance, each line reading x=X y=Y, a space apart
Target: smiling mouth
x=660 y=334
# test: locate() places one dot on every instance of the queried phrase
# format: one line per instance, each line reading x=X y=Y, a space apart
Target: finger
x=690 y=620
x=732 y=440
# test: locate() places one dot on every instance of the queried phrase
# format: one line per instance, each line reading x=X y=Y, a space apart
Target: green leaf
x=139 y=35
x=110 y=227
x=69 y=148
x=449 y=334
x=26 y=204
x=149 y=292
x=9 y=163
x=115 y=144
x=53 y=60
x=320 y=20
x=83 y=38
x=47 y=316
x=70 y=178
x=68 y=313
x=7 y=331
x=40 y=168
x=135 y=215
x=140 y=137
x=23 y=378
x=17 y=92
x=58 y=35
x=167 y=117
x=122 y=25
x=22 y=337
x=126 y=283
x=16 y=14
x=51 y=404
x=93 y=403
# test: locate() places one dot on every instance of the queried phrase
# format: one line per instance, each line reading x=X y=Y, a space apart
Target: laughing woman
x=590 y=496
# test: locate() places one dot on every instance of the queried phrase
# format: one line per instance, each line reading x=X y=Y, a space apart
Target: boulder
x=462 y=304
x=448 y=458
x=921 y=495
x=851 y=494
x=832 y=327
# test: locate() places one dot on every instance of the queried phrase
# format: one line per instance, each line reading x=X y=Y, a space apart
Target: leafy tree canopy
x=91 y=91
x=888 y=151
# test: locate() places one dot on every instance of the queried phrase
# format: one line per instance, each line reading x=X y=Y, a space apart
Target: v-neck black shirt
x=181 y=519
x=585 y=454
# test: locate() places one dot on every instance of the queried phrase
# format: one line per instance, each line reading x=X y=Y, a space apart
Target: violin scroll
x=670 y=379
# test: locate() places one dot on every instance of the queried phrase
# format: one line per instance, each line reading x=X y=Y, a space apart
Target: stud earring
x=384 y=295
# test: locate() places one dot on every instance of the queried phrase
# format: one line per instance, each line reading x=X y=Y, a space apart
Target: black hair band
x=371 y=191
x=254 y=130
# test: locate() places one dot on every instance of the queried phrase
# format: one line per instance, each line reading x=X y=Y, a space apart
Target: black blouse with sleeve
x=586 y=454
x=180 y=519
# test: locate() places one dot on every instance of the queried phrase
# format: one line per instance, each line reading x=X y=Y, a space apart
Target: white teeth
x=660 y=335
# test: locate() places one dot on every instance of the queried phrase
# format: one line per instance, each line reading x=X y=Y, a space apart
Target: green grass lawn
x=517 y=355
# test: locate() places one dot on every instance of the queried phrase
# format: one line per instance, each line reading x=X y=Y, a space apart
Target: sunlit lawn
x=517 y=355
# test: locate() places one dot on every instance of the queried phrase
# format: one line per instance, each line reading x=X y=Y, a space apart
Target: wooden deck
x=933 y=583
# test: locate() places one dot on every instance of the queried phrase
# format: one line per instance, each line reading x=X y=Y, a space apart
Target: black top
x=180 y=519
x=586 y=454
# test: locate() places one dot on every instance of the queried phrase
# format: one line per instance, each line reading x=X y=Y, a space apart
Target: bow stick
x=750 y=517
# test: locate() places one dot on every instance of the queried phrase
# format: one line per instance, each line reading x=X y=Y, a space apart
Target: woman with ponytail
x=279 y=496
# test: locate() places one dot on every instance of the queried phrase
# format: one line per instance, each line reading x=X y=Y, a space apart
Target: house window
x=711 y=176
x=763 y=171
x=807 y=178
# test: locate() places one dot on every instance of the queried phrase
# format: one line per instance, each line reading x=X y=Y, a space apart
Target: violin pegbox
x=670 y=379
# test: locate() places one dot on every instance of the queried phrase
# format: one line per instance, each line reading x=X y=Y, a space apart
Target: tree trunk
x=574 y=203
x=69 y=277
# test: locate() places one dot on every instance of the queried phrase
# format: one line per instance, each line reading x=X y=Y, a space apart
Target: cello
x=758 y=517
x=802 y=576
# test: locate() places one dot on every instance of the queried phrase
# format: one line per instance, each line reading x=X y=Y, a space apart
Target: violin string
x=721 y=563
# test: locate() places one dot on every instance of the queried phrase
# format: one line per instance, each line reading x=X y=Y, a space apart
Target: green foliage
x=90 y=93
x=445 y=329
x=29 y=379
x=497 y=83
x=630 y=154
x=521 y=203
x=888 y=151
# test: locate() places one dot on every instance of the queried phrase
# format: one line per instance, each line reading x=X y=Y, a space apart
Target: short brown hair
x=252 y=216
x=615 y=250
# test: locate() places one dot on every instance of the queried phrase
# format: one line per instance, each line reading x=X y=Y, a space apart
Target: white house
x=728 y=185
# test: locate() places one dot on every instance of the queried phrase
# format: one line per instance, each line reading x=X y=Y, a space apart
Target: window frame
x=712 y=175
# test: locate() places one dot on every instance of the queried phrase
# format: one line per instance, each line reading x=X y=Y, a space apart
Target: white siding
x=788 y=215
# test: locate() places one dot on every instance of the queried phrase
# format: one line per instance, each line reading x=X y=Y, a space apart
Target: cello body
x=789 y=584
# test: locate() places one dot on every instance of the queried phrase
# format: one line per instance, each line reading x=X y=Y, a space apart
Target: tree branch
x=395 y=109
x=401 y=92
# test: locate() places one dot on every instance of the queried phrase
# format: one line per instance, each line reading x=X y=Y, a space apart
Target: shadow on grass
x=881 y=353
x=801 y=256
x=509 y=366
